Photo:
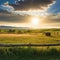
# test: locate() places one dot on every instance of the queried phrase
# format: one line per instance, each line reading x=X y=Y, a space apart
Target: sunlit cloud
x=34 y=12
x=39 y=7
x=31 y=12
x=52 y=18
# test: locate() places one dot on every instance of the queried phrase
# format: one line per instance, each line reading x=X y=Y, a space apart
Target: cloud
x=6 y=7
x=37 y=7
x=32 y=7
x=32 y=4
x=52 y=18
x=11 y=18
x=31 y=13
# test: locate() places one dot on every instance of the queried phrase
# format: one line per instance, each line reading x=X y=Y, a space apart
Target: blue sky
x=3 y=1
x=55 y=8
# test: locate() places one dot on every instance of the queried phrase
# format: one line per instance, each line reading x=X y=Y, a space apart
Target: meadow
x=30 y=37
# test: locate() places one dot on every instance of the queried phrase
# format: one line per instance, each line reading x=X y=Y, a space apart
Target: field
x=49 y=36
x=28 y=38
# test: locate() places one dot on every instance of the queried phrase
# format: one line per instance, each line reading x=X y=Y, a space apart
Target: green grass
x=29 y=54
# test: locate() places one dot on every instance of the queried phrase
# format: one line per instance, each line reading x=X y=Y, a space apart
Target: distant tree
x=11 y=31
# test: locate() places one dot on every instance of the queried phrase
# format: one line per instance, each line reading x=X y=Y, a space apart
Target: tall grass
x=29 y=54
x=28 y=39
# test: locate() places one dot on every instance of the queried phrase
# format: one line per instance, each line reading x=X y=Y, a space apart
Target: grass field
x=28 y=38
x=30 y=53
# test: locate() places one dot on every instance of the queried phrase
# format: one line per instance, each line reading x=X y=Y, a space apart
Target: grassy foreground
x=29 y=54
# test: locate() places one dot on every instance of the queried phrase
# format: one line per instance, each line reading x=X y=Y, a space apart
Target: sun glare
x=35 y=22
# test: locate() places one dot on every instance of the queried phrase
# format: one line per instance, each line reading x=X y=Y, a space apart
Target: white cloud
x=6 y=7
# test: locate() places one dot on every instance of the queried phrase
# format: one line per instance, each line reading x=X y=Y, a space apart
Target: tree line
x=18 y=31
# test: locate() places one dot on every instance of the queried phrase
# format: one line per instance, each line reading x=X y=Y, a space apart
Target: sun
x=35 y=21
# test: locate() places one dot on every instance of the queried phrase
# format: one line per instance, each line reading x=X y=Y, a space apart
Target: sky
x=30 y=13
